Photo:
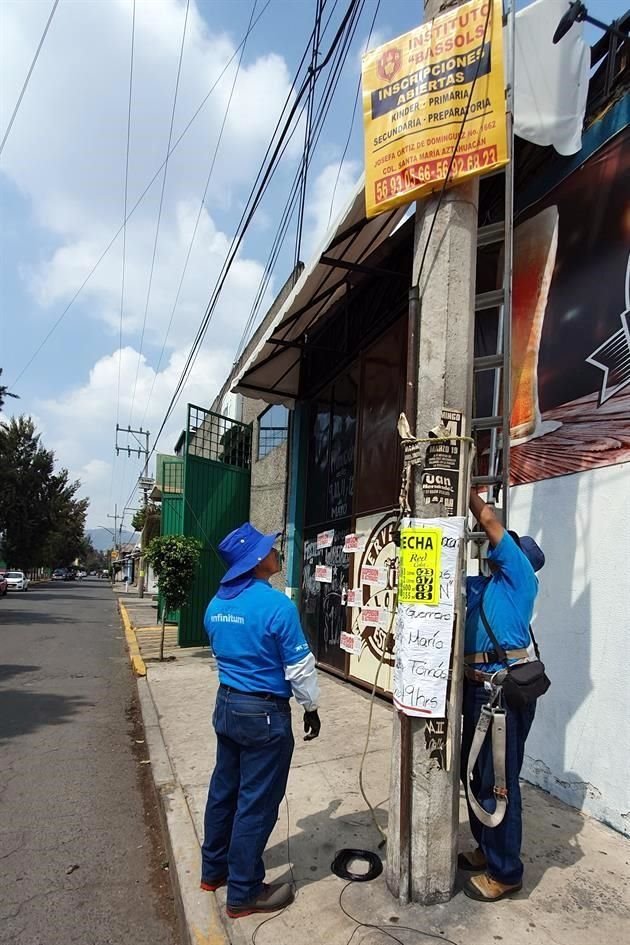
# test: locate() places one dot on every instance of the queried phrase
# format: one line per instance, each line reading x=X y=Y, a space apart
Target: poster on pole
x=424 y=632
x=419 y=91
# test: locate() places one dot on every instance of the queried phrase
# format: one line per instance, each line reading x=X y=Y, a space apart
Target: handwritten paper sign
x=354 y=543
x=351 y=643
x=323 y=574
x=373 y=575
x=325 y=539
x=419 y=578
x=424 y=630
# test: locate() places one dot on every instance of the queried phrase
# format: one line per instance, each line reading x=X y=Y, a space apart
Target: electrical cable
x=124 y=247
x=146 y=190
x=323 y=110
x=354 y=112
x=28 y=76
x=159 y=216
x=384 y=928
x=199 y=212
x=319 y=7
x=340 y=867
x=248 y=213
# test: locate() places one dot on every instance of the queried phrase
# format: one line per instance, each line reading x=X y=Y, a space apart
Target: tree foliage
x=174 y=559
x=5 y=392
x=41 y=520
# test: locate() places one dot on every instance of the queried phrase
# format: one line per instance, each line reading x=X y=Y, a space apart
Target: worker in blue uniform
x=263 y=659
x=508 y=601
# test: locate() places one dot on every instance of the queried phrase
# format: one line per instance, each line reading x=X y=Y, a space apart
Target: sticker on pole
x=419 y=578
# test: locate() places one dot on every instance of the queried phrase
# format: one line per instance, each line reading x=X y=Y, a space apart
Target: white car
x=17 y=580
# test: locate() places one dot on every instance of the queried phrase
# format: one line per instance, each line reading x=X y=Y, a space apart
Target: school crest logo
x=389 y=64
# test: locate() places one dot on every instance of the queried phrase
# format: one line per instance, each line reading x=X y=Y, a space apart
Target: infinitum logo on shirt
x=226 y=618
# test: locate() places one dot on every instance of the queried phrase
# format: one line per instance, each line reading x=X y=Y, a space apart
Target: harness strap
x=490 y=718
x=490 y=656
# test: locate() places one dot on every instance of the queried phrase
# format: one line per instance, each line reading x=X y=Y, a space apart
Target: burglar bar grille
x=221 y=439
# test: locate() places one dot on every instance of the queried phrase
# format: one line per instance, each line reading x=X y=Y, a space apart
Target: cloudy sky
x=62 y=192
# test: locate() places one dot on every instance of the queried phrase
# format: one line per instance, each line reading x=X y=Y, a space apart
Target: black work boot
x=271 y=898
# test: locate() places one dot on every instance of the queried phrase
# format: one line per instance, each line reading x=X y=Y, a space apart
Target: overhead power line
x=258 y=190
x=199 y=212
x=124 y=251
x=146 y=190
x=159 y=216
x=28 y=76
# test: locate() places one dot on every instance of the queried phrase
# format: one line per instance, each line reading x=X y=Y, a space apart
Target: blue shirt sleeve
x=513 y=565
x=288 y=632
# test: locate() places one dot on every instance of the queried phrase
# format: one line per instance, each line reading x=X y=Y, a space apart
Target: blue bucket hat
x=243 y=549
x=532 y=551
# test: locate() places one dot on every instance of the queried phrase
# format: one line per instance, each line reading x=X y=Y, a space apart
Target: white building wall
x=579 y=746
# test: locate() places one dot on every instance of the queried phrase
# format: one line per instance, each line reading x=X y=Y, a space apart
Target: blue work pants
x=254 y=749
x=501 y=845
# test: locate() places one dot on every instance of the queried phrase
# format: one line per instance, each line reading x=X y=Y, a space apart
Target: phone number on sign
x=426 y=172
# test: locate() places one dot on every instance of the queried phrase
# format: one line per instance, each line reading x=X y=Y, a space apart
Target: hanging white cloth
x=550 y=82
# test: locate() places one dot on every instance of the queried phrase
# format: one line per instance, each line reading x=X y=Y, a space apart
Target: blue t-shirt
x=508 y=603
x=254 y=636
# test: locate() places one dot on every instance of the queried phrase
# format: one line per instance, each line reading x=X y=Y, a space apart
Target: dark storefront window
x=324 y=616
x=382 y=399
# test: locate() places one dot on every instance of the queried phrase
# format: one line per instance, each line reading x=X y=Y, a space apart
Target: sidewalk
x=576 y=885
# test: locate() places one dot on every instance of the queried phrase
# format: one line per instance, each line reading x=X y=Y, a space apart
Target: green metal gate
x=171 y=481
x=217 y=465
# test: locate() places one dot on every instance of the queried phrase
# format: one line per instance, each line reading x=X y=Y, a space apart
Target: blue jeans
x=254 y=749
x=501 y=845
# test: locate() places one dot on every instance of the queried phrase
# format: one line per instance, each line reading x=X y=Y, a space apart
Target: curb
x=137 y=663
x=199 y=914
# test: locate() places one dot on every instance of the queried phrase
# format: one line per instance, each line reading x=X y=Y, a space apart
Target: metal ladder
x=497 y=423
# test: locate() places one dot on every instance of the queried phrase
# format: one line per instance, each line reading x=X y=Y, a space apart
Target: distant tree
x=41 y=520
x=4 y=392
x=174 y=559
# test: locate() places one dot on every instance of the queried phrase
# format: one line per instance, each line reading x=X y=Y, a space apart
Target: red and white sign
x=325 y=539
x=354 y=597
x=354 y=543
x=376 y=576
x=351 y=643
x=323 y=574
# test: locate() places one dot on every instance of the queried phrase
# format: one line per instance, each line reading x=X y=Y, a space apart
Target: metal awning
x=272 y=371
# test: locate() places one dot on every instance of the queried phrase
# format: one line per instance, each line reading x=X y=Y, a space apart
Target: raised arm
x=487 y=518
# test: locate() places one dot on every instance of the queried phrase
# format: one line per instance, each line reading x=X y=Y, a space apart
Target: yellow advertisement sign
x=419 y=576
x=424 y=88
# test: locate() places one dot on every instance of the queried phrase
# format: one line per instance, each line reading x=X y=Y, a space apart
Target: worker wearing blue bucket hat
x=263 y=659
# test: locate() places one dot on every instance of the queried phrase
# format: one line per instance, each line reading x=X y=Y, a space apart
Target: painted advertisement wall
x=571 y=323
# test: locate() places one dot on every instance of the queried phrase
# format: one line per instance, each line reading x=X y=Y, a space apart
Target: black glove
x=312 y=725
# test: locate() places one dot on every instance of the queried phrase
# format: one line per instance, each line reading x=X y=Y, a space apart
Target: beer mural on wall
x=570 y=407
x=375 y=576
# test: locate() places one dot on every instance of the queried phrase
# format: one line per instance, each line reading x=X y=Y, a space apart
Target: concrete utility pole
x=424 y=797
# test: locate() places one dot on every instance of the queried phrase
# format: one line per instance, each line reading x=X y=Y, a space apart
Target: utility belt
x=268 y=696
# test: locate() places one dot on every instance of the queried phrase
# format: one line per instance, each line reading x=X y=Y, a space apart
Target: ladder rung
x=476 y=536
x=492 y=233
x=486 y=480
x=488 y=361
x=488 y=300
x=487 y=423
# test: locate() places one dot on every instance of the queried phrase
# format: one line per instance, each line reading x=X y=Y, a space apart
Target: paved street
x=79 y=860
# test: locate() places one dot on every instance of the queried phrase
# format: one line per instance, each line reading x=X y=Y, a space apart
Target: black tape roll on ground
x=339 y=865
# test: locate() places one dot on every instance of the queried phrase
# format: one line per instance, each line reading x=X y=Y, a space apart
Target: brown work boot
x=484 y=888
x=472 y=861
x=269 y=899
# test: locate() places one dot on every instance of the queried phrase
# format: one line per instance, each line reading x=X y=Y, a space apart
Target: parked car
x=4 y=584
x=17 y=580
x=59 y=574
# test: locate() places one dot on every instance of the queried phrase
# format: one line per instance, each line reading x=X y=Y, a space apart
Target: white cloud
x=331 y=191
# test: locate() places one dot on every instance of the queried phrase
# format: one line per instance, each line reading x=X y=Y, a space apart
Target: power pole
x=127 y=435
x=424 y=797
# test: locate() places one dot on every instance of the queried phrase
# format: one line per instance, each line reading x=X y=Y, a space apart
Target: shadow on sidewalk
x=319 y=836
